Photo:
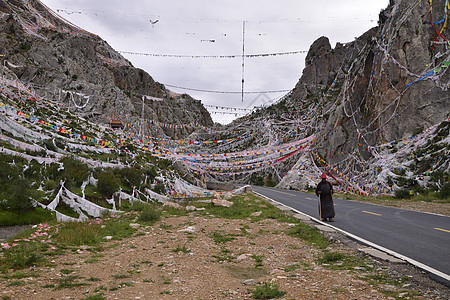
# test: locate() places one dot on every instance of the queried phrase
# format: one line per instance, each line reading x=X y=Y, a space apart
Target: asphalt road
x=420 y=236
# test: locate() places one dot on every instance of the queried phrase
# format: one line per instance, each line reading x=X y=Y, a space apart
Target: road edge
x=435 y=274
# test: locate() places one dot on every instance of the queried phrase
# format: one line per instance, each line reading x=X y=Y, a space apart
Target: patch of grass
x=22 y=256
x=341 y=261
x=80 y=233
x=95 y=297
x=243 y=206
x=165 y=226
x=93 y=279
x=147 y=262
x=48 y=286
x=292 y=268
x=66 y=271
x=309 y=234
x=246 y=273
x=267 y=291
x=91 y=261
x=68 y=282
x=121 y=276
x=171 y=211
x=17 y=283
x=165 y=293
x=225 y=255
x=382 y=278
x=39 y=215
x=149 y=214
x=220 y=238
x=258 y=260
x=183 y=249
x=21 y=275
x=84 y=233
x=125 y=283
x=331 y=257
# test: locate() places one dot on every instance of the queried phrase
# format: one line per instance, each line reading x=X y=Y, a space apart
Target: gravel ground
x=178 y=258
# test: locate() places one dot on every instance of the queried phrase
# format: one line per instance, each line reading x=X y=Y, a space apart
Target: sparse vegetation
x=267 y=291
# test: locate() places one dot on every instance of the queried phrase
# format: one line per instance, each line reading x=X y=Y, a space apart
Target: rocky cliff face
x=79 y=69
x=390 y=83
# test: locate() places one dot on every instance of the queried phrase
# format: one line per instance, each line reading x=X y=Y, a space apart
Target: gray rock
x=222 y=202
x=256 y=214
x=249 y=282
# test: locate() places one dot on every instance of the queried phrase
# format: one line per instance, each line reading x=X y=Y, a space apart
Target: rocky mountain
x=390 y=84
x=68 y=64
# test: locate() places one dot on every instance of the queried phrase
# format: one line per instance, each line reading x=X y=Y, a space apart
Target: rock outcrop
x=379 y=87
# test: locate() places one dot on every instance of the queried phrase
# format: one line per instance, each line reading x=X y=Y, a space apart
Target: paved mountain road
x=422 y=237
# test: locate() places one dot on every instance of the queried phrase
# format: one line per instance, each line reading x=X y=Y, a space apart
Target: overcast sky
x=214 y=28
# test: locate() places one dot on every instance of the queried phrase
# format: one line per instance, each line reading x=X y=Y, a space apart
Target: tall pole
x=243 y=59
x=142 y=118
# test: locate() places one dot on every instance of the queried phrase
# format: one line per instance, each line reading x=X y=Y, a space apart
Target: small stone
x=190 y=229
x=108 y=237
x=256 y=214
x=190 y=208
x=135 y=225
x=241 y=257
x=249 y=282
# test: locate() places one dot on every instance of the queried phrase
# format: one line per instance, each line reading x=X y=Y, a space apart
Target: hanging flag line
x=444 y=64
x=215 y=56
x=268 y=150
x=224 y=92
x=60 y=129
x=173 y=142
x=227 y=108
x=244 y=169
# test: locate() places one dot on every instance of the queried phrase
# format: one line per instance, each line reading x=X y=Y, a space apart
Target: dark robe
x=326 y=206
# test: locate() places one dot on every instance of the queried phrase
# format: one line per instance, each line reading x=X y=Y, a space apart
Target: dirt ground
x=179 y=258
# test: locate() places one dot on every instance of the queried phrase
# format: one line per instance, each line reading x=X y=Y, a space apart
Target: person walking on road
x=324 y=191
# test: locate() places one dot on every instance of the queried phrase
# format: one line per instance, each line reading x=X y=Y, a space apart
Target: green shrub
x=107 y=184
x=444 y=193
x=19 y=199
x=331 y=257
x=267 y=291
x=50 y=185
x=159 y=189
x=402 y=194
x=149 y=214
x=131 y=176
x=75 y=172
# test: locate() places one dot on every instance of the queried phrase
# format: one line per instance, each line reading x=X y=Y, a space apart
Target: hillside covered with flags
x=83 y=133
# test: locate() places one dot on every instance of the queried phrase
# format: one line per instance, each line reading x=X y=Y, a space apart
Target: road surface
x=422 y=237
